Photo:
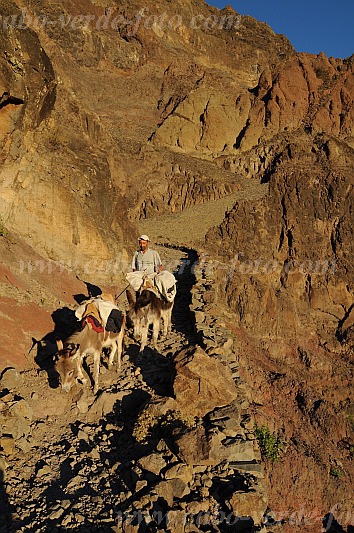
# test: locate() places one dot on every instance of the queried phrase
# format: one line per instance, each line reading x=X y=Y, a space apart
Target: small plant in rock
x=3 y=230
x=335 y=471
x=351 y=420
x=269 y=444
x=176 y=419
x=143 y=426
x=351 y=450
x=322 y=73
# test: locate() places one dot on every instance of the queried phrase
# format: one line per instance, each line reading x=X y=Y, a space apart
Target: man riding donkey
x=145 y=259
x=155 y=292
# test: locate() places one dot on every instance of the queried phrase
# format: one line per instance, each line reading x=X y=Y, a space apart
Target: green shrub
x=351 y=420
x=336 y=472
x=3 y=230
x=269 y=444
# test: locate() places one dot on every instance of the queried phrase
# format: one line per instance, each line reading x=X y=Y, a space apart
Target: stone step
x=249 y=467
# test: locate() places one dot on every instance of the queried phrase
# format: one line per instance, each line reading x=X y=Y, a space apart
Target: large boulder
x=252 y=504
x=198 y=447
x=202 y=383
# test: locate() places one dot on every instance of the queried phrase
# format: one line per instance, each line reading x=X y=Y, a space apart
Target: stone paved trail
x=72 y=462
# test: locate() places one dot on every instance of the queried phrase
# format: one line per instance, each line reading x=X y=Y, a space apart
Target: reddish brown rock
x=194 y=447
x=202 y=382
x=198 y=447
x=252 y=504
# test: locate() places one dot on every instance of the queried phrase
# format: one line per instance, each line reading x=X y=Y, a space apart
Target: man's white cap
x=144 y=238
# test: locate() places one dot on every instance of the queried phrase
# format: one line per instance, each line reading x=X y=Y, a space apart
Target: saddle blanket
x=101 y=314
x=162 y=284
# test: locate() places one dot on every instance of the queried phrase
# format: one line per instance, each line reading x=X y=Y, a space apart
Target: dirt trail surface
x=64 y=439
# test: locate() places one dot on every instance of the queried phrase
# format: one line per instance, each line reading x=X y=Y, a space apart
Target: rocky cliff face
x=289 y=282
x=113 y=97
x=89 y=94
x=299 y=244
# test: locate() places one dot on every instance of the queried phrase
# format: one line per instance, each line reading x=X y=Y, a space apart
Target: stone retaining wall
x=234 y=425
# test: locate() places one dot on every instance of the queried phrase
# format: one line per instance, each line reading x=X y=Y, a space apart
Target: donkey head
x=143 y=298
x=67 y=364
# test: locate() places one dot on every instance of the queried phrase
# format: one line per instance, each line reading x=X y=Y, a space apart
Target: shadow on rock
x=331 y=525
x=5 y=515
x=65 y=323
x=182 y=318
x=222 y=490
x=112 y=468
x=156 y=369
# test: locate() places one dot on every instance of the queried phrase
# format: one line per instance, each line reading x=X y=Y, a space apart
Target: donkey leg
x=169 y=319
x=144 y=336
x=137 y=330
x=112 y=354
x=96 y=370
x=120 y=347
x=166 y=322
x=155 y=332
x=80 y=374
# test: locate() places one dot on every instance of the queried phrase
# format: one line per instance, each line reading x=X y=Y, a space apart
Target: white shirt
x=148 y=261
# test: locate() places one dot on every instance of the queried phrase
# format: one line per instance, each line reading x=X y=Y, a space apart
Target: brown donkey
x=77 y=346
x=148 y=309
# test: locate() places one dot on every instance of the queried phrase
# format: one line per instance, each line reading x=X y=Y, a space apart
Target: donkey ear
x=130 y=297
x=74 y=351
x=59 y=344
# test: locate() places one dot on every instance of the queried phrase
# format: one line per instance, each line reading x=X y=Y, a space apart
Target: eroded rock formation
x=289 y=280
x=85 y=101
